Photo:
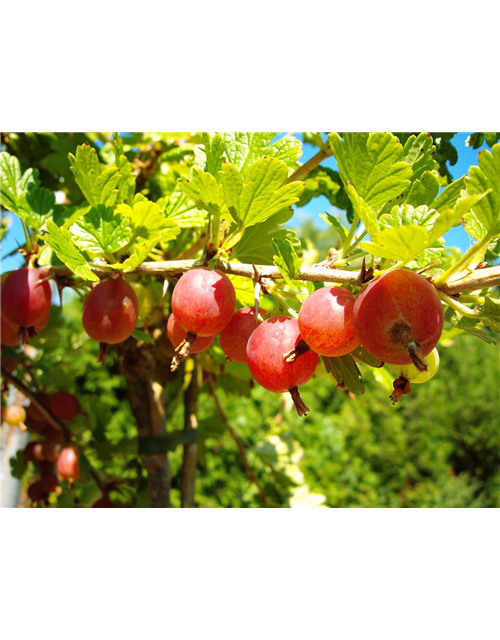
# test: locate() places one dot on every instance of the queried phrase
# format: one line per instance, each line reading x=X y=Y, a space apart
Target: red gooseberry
x=110 y=313
x=399 y=318
x=234 y=337
x=265 y=350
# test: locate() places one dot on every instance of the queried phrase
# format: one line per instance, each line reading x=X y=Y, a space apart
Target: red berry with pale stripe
x=203 y=301
x=399 y=318
x=326 y=322
x=265 y=350
x=234 y=338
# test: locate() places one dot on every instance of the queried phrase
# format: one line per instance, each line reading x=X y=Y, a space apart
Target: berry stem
x=103 y=352
x=300 y=405
x=416 y=356
x=183 y=350
x=300 y=348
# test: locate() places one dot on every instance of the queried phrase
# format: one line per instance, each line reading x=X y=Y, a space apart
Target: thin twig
x=190 y=454
x=241 y=449
x=308 y=166
x=475 y=280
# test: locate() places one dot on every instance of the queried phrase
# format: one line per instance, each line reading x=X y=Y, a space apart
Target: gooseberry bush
x=174 y=249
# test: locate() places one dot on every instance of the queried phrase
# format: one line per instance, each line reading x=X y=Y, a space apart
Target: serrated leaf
x=482 y=179
x=10 y=177
x=86 y=169
x=98 y=186
x=366 y=214
x=140 y=251
x=61 y=242
x=345 y=372
x=232 y=183
x=243 y=149
x=471 y=325
x=147 y=221
x=451 y=217
x=101 y=231
x=372 y=164
x=398 y=243
x=37 y=204
x=263 y=193
x=18 y=465
x=333 y=222
x=214 y=154
x=288 y=150
x=424 y=190
x=323 y=181
x=14 y=186
x=203 y=190
x=449 y=196
x=256 y=243
x=418 y=152
x=403 y=215
x=183 y=213
x=286 y=259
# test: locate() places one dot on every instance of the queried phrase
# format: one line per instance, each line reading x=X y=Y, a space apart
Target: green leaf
x=140 y=251
x=18 y=465
x=449 y=196
x=101 y=231
x=143 y=336
x=372 y=164
x=345 y=372
x=232 y=183
x=398 y=243
x=288 y=150
x=203 y=190
x=183 y=213
x=61 y=242
x=484 y=178
x=214 y=154
x=243 y=149
x=471 y=325
x=10 y=178
x=256 y=243
x=363 y=355
x=286 y=259
x=366 y=214
x=323 y=181
x=263 y=194
x=244 y=290
x=333 y=222
x=491 y=313
x=452 y=217
x=418 y=152
x=13 y=185
x=38 y=203
x=147 y=221
x=406 y=214
x=424 y=190
x=98 y=186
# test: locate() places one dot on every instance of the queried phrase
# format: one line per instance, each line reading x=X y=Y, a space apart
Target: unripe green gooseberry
x=411 y=373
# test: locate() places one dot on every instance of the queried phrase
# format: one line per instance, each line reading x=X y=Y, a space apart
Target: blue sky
x=456 y=237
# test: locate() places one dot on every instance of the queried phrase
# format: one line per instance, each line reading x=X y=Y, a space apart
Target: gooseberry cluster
x=397 y=318
x=51 y=452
